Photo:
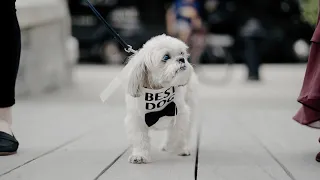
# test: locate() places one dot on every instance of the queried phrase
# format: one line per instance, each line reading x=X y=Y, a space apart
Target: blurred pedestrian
x=309 y=113
x=9 y=64
x=184 y=22
x=253 y=35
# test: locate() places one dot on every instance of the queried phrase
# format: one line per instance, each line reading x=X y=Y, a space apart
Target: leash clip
x=129 y=49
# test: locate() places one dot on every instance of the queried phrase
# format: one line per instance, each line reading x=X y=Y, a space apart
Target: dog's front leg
x=178 y=136
x=139 y=138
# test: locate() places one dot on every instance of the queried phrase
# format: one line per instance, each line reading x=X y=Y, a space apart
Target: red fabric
x=310 y=93
x=307 y=115
x=316 y=34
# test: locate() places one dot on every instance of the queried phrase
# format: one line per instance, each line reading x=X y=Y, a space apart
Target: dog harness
x=157 y=104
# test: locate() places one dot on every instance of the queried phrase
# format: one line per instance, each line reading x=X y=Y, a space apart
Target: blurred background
x=245 y=32
x=69 y=57
x=284 y=26
x=218 y=31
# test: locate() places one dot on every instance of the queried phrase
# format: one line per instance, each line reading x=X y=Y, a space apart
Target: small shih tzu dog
x=160 y=95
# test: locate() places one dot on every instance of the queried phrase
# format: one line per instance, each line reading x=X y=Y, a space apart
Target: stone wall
x=49 y=52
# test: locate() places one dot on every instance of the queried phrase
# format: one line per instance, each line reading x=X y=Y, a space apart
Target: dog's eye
x=182 y=53
x=166 y=57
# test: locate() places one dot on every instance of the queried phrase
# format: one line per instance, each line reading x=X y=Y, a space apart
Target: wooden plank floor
x=247 y=133
x=164 y=165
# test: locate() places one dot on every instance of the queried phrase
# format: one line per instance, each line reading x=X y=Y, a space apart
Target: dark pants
x=9 y=52
x=252 y=56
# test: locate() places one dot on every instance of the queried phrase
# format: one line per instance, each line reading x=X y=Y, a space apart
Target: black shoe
x=253 y=78
x=8 y=144
x=318 y=155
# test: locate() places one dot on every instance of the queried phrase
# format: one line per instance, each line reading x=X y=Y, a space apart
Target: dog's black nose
x=181 y=60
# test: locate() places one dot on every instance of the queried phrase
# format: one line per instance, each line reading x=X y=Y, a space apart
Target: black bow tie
x=153 y=117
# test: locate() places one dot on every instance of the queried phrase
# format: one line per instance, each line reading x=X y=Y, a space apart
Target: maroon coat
x=310 y=93
x=316 y=34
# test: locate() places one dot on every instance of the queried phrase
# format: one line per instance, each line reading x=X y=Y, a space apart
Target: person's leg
x=9 y=64
x=5 y=119
x=183 y=30
x=252 y=58
x=197 y=46
x=318 y=155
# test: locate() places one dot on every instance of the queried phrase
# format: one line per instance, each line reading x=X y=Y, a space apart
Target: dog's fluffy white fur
x=151 y=70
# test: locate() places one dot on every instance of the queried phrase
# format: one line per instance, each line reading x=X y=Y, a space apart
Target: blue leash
x=125 y=45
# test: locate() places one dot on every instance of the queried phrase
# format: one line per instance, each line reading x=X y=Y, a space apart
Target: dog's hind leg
x=178 y=136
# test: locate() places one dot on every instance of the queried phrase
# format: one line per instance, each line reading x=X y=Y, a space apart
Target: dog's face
x=162 y=62
x=167 y=64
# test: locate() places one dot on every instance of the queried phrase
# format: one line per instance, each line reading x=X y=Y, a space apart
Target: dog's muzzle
x=184 y=67
x=182 y=60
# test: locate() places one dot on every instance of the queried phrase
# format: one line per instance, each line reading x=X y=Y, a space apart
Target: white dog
x=160 y=96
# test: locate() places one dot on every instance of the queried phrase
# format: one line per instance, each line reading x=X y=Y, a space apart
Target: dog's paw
x=138 y=159
x=185 y=152
x=167 y=148
x=164 y=148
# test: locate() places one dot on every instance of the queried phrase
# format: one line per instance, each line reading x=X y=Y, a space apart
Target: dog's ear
x=137 y=76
